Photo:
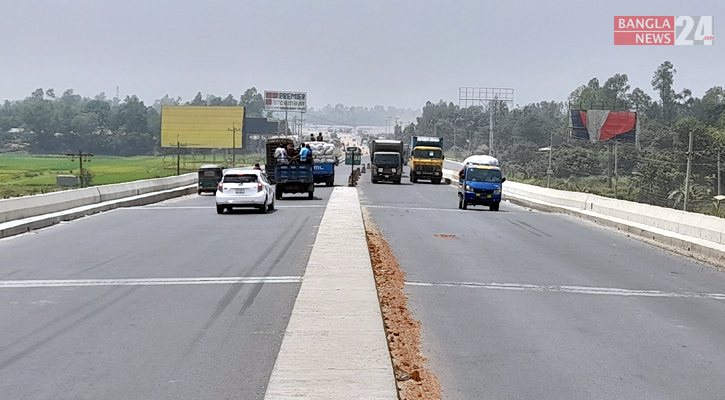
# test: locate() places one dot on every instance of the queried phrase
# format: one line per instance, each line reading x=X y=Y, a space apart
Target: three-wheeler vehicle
x=209 y=177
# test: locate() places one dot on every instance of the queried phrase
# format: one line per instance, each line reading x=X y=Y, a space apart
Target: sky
x=361 y=53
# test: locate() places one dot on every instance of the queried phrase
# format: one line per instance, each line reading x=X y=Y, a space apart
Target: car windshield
x=483 y=175
x=240 y=178
x=433 y=154
x=386 y=159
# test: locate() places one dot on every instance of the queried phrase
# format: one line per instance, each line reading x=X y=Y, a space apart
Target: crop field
x=22 y=175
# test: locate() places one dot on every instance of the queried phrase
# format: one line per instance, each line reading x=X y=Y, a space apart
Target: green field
x=22 y=175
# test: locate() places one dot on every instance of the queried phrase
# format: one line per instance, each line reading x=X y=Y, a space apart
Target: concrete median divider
x=694 y=232
x=22 y=214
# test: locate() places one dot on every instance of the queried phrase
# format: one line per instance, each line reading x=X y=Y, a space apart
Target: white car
x=244 y=188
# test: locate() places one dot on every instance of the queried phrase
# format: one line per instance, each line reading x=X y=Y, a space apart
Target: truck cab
x=480 y=185
x=386 y=166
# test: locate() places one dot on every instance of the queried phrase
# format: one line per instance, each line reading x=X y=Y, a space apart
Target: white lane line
x=571 y=289
x=210 y=208
x=415 y=208
x=147 y=281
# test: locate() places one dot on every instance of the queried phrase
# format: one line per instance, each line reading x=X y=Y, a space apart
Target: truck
x=386 y=160
x=426 y=159
x=294 y=178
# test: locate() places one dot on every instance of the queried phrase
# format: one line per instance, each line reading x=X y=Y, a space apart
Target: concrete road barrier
x=695 y=232
x=21 y=214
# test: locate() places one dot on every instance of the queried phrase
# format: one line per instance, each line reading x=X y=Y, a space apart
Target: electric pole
x=234 y=131
x=490 y=128
x=81 y=156
x=178 y=155
x=687 y=176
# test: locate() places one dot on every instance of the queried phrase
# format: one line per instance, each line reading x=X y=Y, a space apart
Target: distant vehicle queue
x=291 y=169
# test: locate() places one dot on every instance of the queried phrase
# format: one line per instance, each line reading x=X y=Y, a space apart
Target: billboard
x=285 y=101
x=600 y=125
x=207 y=127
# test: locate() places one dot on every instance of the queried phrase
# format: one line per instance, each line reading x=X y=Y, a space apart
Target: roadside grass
x=22 y=175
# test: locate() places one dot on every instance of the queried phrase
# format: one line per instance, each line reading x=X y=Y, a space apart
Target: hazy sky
x=393 y=53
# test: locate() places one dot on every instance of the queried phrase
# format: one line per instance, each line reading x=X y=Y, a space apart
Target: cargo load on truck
x=481 y=160
x=324 y=161
x=271 y=146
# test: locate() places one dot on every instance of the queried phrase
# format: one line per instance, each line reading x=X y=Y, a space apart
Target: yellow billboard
x=202 y=127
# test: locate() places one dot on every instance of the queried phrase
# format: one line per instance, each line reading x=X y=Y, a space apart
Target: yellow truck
x=426 y=159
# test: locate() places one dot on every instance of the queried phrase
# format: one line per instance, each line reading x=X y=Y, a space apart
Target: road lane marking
x=415 y=208
x=212 y=207
x=147 y=281
x=571 y=289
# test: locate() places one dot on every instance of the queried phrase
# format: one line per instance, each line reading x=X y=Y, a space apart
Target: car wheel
x=493 y=207
x=436 y=181
x=460 y=203
x=271 y=206
x=198 y=191
x=373 y=180
x=464 y=205
x=278 y=193
x=219 y=209
x=310 y=195
x=263 y=208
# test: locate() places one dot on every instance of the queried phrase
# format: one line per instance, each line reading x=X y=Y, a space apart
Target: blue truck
x=324 y=173
x=480 y=185
x=294 y=178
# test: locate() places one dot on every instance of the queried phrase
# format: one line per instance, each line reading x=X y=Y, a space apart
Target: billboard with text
x=285 y=101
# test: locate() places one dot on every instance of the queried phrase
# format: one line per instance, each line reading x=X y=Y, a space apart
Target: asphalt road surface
x=133 y=320
x=519 y=304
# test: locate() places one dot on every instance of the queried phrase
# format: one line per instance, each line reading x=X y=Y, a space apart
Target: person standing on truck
x=320 y=138
x=312 y=137
x=281 y=154
x=290 y=152
x=305 y=154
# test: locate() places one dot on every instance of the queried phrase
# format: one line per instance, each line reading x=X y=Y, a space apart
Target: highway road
x=131 y=318
x=519 y=304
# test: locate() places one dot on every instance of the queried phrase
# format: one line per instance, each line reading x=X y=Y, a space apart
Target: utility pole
x=549 y=171
x=81 y=156
x=616 y=172
x=687 y=176
x=609 y=164
x=178 y=155
x=234 y=131
x=718 y=171
x=490 y=128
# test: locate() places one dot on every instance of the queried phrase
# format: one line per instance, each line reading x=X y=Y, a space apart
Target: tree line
x=45 y=123
x=653 y=173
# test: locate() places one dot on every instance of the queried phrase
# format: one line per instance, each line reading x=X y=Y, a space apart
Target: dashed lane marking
x=147 y=281
x=571 y=289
